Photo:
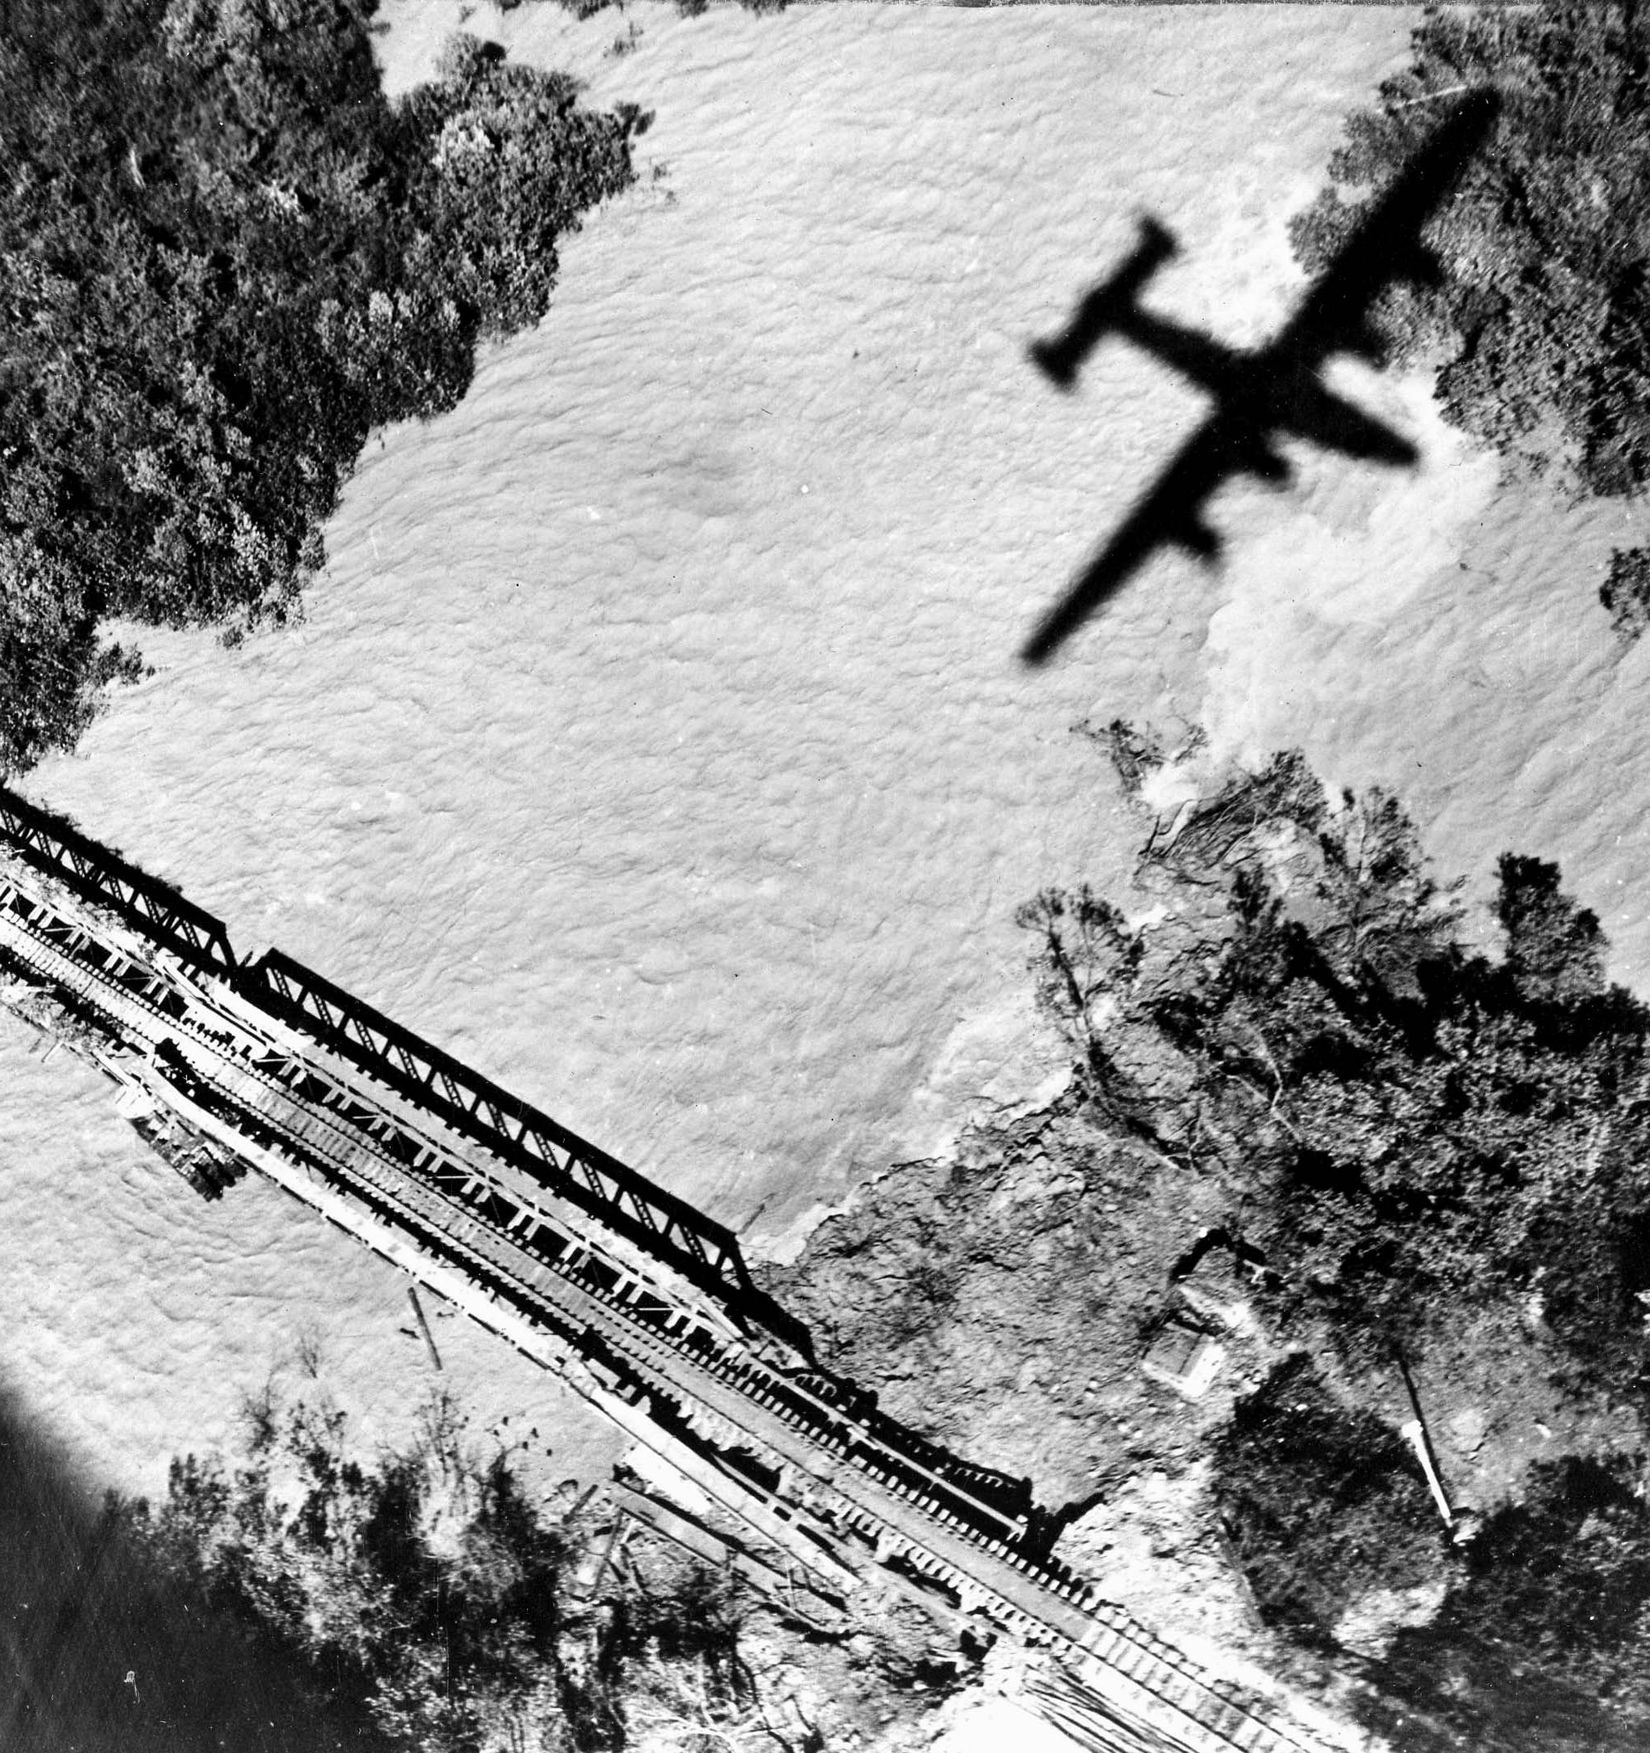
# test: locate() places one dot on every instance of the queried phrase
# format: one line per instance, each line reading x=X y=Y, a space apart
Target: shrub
x=1324 y=1505
x=1626 y=592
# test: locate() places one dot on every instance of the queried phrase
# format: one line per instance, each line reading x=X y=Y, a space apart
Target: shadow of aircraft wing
x=1171 y=515
x=1386 y=244
x=1333 y=423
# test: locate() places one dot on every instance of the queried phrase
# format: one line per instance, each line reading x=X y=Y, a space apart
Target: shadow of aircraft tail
x=1103 y=308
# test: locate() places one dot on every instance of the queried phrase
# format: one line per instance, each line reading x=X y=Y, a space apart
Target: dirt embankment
x=1003 y=1303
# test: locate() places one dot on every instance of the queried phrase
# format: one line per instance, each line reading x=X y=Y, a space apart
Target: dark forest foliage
x=1405 y=1128
x=1540 y=313
x=1408 y=1137
x=1541 y=1641
x=224 y=258
x=426 y=1594
x=1323 y=1504
x=1626 y=593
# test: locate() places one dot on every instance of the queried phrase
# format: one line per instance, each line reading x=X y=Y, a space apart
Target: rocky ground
x=1005 y=1300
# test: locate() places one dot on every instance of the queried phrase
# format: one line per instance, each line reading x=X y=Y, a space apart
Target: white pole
x=1416 y=1433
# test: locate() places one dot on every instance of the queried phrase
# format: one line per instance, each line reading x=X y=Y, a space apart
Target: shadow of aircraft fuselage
x=1273 y=391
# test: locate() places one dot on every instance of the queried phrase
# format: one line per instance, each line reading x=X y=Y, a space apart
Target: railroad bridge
x=641 y=1304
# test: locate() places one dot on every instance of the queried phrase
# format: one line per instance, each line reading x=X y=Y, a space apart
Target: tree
x=1403 y=1127
x=1538 y=318
x=224 y=258
x=427 y=1590
x=1324 y=1505
x=1626 y=592
x=1542 y=1636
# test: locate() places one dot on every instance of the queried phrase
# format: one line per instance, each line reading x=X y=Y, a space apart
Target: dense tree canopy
x=1541 y=1645
x=224 y=258
x=1323 y=1505
x=1540 y=315
x=1410 y=1137
x=1406 y=1128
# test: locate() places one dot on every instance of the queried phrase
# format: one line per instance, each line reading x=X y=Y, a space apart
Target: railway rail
x=643 y=1305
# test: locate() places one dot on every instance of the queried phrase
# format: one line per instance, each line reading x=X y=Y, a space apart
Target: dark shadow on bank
x=1273 y=392
x=98 y=1653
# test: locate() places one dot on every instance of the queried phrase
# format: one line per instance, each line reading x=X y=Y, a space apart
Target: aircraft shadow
x=1262 y=394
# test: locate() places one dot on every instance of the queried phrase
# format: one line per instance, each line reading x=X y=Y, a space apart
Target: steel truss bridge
x=643 y=1305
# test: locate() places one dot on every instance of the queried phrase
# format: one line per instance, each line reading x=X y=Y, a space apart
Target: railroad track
x=640 y=1303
